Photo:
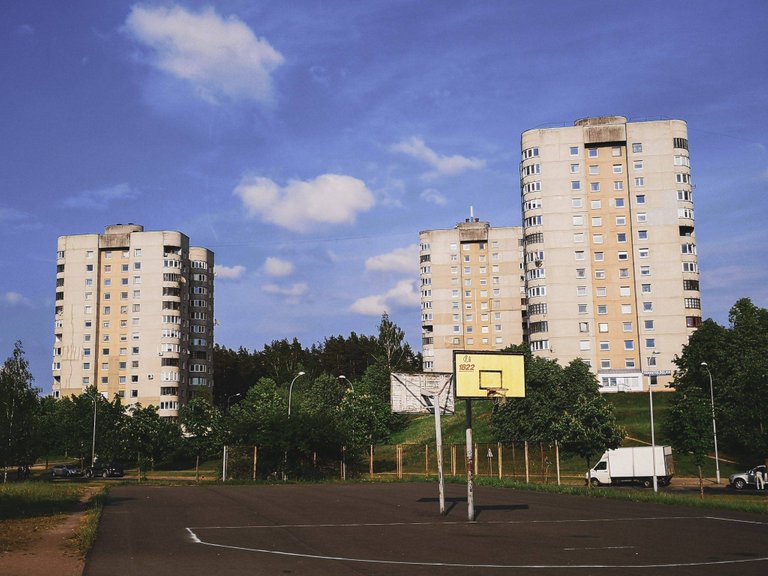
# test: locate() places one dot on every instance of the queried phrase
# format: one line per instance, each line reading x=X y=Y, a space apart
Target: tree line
x=300 y=405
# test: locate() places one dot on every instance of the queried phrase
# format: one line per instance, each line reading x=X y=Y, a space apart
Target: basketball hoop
x=498 y=395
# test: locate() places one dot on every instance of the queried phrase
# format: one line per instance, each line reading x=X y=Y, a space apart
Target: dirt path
x=54 y=551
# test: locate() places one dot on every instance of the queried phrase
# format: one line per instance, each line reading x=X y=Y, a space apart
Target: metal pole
x=439 y=448
x=653 y=435
x=470 y=465
x=714 y=425
x=93 y=441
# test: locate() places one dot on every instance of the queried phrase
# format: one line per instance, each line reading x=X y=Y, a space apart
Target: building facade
x=472 y=293
x=611 y=267
x=604 y=267
x=133 y=317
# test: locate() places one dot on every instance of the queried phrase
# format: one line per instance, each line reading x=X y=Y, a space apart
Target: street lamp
x=714 y=426
x=290 y=391
x=93 y=441
x=347 y=381
x=230 y=398
x=651 y=362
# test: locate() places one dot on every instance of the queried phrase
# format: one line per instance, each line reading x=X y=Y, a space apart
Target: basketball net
x=498 y=395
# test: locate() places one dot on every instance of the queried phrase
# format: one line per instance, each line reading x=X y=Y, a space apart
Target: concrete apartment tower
x=134 y=317
x=472 y=292
x=610 y=250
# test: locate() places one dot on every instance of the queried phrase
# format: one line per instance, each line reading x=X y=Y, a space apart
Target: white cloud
x=329 y=199
x=220 y=57
x=14 y=299
x=434 y=197
x=101 y=199
x=277 y=267
x=293 y=293
x=403 y=260
x=403 y=294
x=229 y=272
x=443 y=165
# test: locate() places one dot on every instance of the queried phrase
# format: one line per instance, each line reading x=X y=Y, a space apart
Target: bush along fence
x=539 y=462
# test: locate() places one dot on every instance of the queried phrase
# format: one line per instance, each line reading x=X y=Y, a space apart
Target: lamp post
x=347 y=381
x=714 y=425
x=290 y=391
x=652 y=361
x=230 y=398
x=93 y=440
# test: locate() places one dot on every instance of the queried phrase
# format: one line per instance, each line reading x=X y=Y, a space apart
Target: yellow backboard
x=488 y=374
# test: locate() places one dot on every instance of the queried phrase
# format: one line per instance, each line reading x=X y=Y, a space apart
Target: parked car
x=110 y=469
x=65 y=470
x=748 y=478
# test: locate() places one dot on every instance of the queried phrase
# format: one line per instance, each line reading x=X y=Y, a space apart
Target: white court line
x=197 y=540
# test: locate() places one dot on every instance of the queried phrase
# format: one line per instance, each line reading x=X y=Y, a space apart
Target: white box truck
x=633 y=465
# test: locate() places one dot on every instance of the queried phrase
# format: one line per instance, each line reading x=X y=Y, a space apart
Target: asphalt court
x=396 y=529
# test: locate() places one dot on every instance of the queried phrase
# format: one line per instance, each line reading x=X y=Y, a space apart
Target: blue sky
x=308 y=142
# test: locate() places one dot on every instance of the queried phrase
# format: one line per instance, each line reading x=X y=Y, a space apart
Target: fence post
x=499 y=450
x=255 y=458
x=224 y=465
x=370 y=467
x=453 y=459
x=557 y=460
x=399 y=453
x=527 y=469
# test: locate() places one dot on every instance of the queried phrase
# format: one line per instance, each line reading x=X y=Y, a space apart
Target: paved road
x=396 y=529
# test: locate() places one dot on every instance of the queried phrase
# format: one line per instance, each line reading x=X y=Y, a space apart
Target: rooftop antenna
x=472 y=212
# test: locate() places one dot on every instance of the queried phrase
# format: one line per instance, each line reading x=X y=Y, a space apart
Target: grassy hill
x=632 y=413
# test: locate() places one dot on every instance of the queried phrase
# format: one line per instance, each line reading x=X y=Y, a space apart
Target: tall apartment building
x=611 y=267
x=134 y=317
x=609 y=271
x=472 y=293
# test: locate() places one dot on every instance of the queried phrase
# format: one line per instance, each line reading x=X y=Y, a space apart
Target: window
x=605 y=346
x=693 y=303
x=594 y=186
x=640 y=198
x=637 y=164
x=578 y=237
x=642 y=217
x=623 y=255
x=619 y=202
x=616 y=151
x=648 y=324
x=579 y=254
x=602 y=327
x=624 y=291
x=693 y=321
x=575 y=185
x=601 y=291
x=642 y=234
x=623 y=272
x=574 y=168
x=584 y=345
x=618 y=185
x=618 y=168
x=602 y=309
x=594 y=169
x=643 y=252
x=629 y=344
x=626 y=326
x=650 y=342
x=578 y=220
x=621 y=237
x=621 y=220
x=645 y=288
x=626 y=309
x=639 y=181
x=599 y=274
x=682 y=178
x=690 y=284
x=597 y=221
x=637 y=147
x=592 y=152
x=581 y=272
x=596 y=204
x=645 y=270
x=577 y=202
x=581 y=290
x=583 y=326
x=647 y=306
x=574 y=150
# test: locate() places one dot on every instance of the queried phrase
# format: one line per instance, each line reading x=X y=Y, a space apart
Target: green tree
x=18 y=401
x=148 y=435
x=201 y=424
x=689 y=425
